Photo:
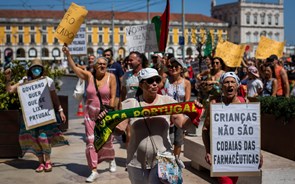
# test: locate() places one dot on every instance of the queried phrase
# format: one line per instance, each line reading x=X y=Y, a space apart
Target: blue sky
x=191 y=6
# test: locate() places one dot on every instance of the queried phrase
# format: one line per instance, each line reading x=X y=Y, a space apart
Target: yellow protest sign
x=267 y=47
x=70 y=24
x=230 y=53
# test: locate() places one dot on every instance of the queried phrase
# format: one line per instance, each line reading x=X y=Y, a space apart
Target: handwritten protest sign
x=36 y=103
x=105 y=128
x=267 y=47
x=78 y=46
x=141 y=38
x=70 y=24
x=231 y=53
x=235 y=139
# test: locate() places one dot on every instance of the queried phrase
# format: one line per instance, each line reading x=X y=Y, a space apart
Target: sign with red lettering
x=36 y=103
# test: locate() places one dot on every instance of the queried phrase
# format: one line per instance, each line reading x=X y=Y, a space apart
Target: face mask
x=36 y=71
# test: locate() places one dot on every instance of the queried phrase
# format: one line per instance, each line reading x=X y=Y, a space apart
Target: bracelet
x=60 y=110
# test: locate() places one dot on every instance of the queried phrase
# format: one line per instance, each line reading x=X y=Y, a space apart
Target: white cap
x=146 y=73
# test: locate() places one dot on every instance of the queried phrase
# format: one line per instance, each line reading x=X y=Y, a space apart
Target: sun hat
x=174 y=60
x=36 y=62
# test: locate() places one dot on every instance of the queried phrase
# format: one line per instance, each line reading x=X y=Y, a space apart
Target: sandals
x=48 y=167
x=40 y=168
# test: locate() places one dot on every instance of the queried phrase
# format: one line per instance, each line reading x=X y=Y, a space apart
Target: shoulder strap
x=98 y=94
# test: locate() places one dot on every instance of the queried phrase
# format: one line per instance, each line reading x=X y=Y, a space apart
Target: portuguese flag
x=162 y=27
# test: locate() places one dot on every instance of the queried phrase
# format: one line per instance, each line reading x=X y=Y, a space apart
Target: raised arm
x=9 y=88
x=82 y=74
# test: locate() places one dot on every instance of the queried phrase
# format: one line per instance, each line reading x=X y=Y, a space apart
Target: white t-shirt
x=253 y=87
x=130 y=81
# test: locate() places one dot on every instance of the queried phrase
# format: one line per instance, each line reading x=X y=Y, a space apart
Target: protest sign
x=230 y=53
x=78 y=46
x=105 y=128
x=36 y=103
x=70 y=24
x=267 y=47
x=141 y=38
x=235 y=139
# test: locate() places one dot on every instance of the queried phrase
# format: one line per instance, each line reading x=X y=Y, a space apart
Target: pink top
x=92 y=106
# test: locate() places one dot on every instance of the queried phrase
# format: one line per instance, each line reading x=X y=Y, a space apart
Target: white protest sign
x=141 y=38
x=235 y=139
x=36 y=103
x=78 y=46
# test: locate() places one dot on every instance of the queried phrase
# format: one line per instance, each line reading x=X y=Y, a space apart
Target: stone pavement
x=70 y=165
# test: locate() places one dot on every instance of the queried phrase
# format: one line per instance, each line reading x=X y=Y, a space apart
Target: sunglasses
x=217 y=63
x=173 y=66
x=152 y=80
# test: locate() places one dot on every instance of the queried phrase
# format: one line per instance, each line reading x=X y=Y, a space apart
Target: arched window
x=90 y=51
x=189 y=51
x=20 y=53
x=99 y=51
x=122 y=52
x=44 y=52
x=32 y=53
x=170 y=50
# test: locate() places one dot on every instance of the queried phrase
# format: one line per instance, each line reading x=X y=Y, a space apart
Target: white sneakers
x=94 y=174
x=92 y=177
x=113 y=166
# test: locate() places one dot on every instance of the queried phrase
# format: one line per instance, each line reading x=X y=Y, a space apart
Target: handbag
x=79 y=90
x=169 y=166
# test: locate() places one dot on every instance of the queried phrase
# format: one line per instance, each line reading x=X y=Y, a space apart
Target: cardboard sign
x=267 y=47
x=70 y=24
x=78 y=46
x=141 y=38
x=36 y=103
x=235 y=139
x=231 y=53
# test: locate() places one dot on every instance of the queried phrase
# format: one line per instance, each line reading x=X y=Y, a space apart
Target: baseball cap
x=253 y=70
x=146 y=73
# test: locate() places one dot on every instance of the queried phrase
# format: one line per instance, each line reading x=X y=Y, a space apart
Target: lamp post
x=14 y=47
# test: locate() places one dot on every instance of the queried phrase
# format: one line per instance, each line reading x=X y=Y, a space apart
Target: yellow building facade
x=28 y=34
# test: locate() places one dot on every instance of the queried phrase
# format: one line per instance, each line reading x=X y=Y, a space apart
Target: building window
x=55 y=41
x=32 y=38
x=32 y=28
x=263 y=33
x=89 y=38
x=89 y=28
x=110 y=29
x=269 y=19
x=20 y=39
x=170 y=29
x=277 y=19
x=170 y=39
x=20 y=28
x=8 y=39
x=189 y=40
x=255 y=19
x=248 y=37
x=110 y=39
x=270 y=35
x=236 y=37
x=277 y=36
x=121 y=39
x=44 y=38
x=189 y=30
x=99 y=28
x=248 y=19
x=44 y=28
x=121 y=29
x=224 y=37
x=8 y=28
x=262 y=18
x=256 y=37
x=100 y=39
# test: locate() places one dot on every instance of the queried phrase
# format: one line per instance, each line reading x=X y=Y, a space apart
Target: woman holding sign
x=229 y=85
x=39 y=140
x=102 y=83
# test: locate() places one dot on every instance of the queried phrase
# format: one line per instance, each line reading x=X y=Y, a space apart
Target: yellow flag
x=230 y=53
x=70 y=24
x=267 y=47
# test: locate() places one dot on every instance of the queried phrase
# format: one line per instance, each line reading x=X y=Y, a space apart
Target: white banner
x=141 y=38
x=235 y=139
x=78 y=46
x=36 y=103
